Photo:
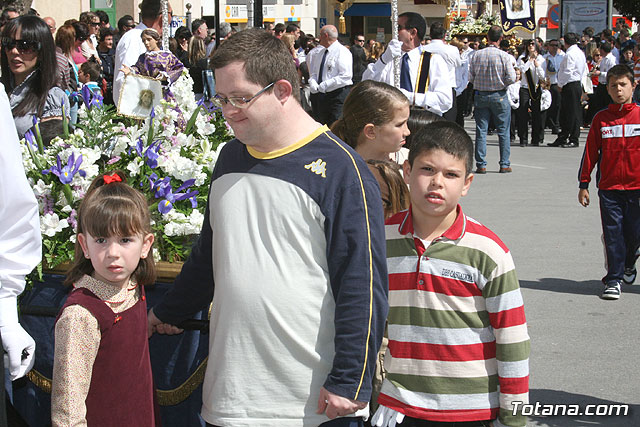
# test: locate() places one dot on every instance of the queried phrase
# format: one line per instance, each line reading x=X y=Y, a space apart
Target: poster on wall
x=580 y=14
x=517 y=14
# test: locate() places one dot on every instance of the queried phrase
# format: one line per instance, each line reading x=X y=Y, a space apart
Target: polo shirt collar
x=455 y=232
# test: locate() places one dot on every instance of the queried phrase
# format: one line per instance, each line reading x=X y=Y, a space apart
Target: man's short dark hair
x=104 y=33
x=4 y=18
x=124 y=21
x=279 y=28
x=504 y=44
x=605 y=46
x=624 y=32
x=589 y=31
x=291 y=28
x=494 y=33
x=197 y=23
x=571 y=38
x=104 y=18
x=437 y=30
x=446 y=136
x=266 y=59
x=150 y=9
x=415 y=20
x=620 y=70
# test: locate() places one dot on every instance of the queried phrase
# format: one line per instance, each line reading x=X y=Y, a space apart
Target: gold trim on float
x=165 y=397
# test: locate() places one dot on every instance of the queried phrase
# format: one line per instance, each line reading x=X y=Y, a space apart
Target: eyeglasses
x=95 y=24
x=238 y=101
x=24 y=46
x=360 y=41
x=553 y=45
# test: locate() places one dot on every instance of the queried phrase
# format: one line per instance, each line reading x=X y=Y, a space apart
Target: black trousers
x=462 y=101
x=537 y=130
x=415 y=422
x=571 y=117
x=327 y=107
x=553 y=114
x=451 y=115
x=601 y=99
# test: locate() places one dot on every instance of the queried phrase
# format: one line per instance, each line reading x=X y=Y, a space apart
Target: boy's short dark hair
x=446 y=136
x=620 y=70
x=92 y=69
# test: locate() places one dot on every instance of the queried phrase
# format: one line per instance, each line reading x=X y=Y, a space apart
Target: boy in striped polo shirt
x=458 y=342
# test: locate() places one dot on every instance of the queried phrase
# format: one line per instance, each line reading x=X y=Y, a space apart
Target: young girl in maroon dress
x=102 y=372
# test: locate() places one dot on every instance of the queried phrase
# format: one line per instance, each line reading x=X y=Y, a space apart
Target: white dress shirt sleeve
x=338 y=69
x=439 y=97
x=130 y=47
x=380 y=72
x=20 y=239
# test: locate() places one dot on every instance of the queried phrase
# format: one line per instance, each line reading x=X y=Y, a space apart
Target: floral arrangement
x=469 y=25
x=169 y=156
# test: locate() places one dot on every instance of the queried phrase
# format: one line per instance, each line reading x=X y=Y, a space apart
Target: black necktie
x=324 y=57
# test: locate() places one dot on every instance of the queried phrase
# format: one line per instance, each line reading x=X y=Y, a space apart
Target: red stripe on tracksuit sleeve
x=447 y=353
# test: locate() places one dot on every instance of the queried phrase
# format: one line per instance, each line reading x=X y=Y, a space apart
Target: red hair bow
x=108 y=179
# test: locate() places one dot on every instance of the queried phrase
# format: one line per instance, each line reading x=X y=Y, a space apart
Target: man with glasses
x=330 y=76
x=359 y=58
x=424 y=77
x=130 y=46
x=291 y=251
x=553 y=58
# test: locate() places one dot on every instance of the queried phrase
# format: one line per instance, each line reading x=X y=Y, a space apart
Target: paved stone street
x=584 y=350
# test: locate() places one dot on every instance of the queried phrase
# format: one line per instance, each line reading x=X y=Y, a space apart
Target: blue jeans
x=492 y=105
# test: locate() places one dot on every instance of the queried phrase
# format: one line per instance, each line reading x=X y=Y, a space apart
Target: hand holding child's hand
x=156 y=325
x=337 y=406
x=583 y=197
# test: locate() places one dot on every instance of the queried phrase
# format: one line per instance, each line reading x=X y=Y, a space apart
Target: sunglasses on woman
x=24 y=46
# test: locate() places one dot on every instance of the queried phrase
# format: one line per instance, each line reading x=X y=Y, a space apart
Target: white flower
x=50 y=224
x=41 y=188
x=134 y=167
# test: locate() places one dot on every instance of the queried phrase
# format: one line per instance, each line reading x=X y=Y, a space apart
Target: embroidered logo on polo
x=458 y=275
x=319 y=167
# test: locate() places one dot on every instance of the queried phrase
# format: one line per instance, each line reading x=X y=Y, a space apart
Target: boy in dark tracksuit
x=614 y=145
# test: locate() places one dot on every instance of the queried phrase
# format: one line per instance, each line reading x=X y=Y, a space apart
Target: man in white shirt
x=573 y=69
x=330 y=76
x=130 y=46
x=554 y=58
x=451 y=56
x=418 y=69
x=20 y=250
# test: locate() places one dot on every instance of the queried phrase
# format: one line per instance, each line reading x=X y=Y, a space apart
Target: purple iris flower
x=152 y=155
x=31 y=139
x=91 y=98
x=170 y=198
x=67 y=172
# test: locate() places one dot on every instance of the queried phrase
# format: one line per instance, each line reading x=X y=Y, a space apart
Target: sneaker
x=629 y=276
x=611 y=291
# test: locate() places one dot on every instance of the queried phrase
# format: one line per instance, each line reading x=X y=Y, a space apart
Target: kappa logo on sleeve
x=319 y=167
x=611 y=131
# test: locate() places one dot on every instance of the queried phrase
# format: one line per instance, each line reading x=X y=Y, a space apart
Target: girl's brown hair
x=368 y=102
x=399 y=198
x=114 y=209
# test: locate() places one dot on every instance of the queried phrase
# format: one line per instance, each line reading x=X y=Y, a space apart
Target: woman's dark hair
x=46 y=73
x=183 y=33
x=114 y=209
x=82 y=30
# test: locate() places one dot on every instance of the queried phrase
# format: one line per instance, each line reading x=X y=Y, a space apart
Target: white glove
x=313 y=86
x=386 y=417
x=394 y=50
x=410 y=95
x=18 y=344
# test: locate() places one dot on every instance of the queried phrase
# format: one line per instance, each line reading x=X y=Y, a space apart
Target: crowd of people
x=332 y=215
